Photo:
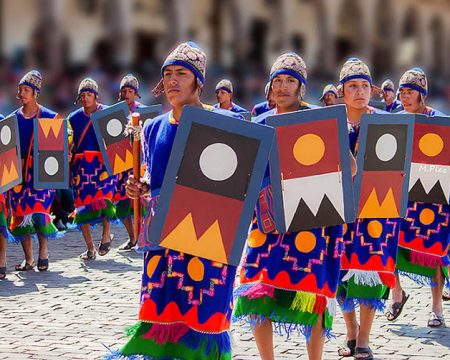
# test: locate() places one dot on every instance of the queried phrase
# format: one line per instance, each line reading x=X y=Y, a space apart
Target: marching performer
x=329 y=95
x=388 y=95
x=224 y=95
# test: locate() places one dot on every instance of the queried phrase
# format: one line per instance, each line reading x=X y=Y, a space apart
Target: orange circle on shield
x=309 y=149
x=431 y=144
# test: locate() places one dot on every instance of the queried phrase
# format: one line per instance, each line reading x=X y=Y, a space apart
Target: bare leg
x=27 y=245
x=129 y=226
x=2 y=251
x=86 y=231
x=352 y=329
x=317 y=340
x=263 y=334
x=366 y=316
x=43 y=247
x=397 y=292
x=106 y=230
x=436 y=292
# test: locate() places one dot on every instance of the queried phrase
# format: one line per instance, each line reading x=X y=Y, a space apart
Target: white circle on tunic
x=51 y=165
x=5 y=135
x=386 y=147
x=114 y=127
x=218 y=161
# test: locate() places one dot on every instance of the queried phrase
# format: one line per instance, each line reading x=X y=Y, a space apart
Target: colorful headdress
x=87 y=85
x=388 y=85
x=354 y=68
x=415 y=79
x=33 y=79
x=267 y=90
x=191 y=57
x=330 y=88
x=290 y=64
x=130 y=81
x=224 y=85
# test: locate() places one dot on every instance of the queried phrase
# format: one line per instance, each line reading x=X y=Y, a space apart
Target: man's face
x=285 y=90
x=128 y=94
x=357 y=93
x=179 y=85
x=25 y=94
x=410 y=99
x=223 y=96
x=388 y=96
x=87 y=99
x=329 y=99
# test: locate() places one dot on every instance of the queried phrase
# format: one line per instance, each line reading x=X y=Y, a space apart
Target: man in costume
x=272 y=293
x=129 y=91
x=264 y=106
x=186 y=301
x=31 y=207
x=224 y=95
x=329 y=95
x=360 y=283
x=388 y=95
x=425 y=227
x=92 y=186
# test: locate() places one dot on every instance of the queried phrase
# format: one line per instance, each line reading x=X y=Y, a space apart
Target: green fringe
x=48 y=230
x=360 y=291
x=94 y=217
x=148 y=347
x=3 y=220
x=124 y=209
x=404 y=265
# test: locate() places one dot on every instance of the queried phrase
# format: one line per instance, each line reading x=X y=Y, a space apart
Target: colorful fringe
x=94 y=213
x=33 y=224
x=289 y=311
x=365 y=288
x=123 y=209
x=421 y=268
x=173 y=341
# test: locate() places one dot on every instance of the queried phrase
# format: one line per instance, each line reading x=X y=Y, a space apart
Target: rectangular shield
x=211 y=185
x=149 y=112
x=10 y=158
x=384 y=157
x=50 y=154
x=109 y=126
x=310 y=169
x=430 y=167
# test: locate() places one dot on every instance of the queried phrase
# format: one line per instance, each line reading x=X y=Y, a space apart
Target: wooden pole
x=137 y=175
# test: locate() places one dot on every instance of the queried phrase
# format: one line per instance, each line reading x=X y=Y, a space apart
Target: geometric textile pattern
x=383 y=165
x=10 y=159
x=50 y=154
x=310 y=169
x=211 y=185
x=430 y=167
x=109 y=126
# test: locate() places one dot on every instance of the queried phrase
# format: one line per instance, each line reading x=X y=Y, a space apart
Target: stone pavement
x=77 y=311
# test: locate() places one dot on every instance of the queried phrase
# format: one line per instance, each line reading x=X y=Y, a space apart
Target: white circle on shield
x=114 y=127
x=5 y=135
x=218 y=162
x=51 y=165
x=386 y=147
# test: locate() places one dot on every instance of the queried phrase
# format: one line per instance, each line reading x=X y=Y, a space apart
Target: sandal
x=363 y=351
x=104 y=248
x=347 y=349
x=88 y=255
x=42 y=264
x=3 y=273
x=446 y=295
x=25 y=266
x=127 y=246
x=436 y=320
x=395 y=309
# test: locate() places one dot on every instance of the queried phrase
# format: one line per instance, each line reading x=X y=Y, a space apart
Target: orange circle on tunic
x=431 y=144
x=374 y=229
x=152 y=264
x=305 y=241
x=103 y=175
x=196 y=269
x=256 y=238
x=426 y=216
x=344 y=229
x=17 y=188
x=309 y=149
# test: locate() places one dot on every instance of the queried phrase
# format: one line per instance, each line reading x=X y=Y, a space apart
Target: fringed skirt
x=186 y=307
x=4 y=221
x=368 y=263
x=290 y=279
x=124 y=208
x=424 y=242
x=93 y=189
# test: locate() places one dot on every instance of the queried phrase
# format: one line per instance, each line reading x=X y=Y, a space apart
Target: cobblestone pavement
x=77 y=311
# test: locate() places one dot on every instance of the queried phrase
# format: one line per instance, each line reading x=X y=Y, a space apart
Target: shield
x=211 y=185
x=50 y=154
x=384 y=156
x=310 y=169
x=10 y=157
